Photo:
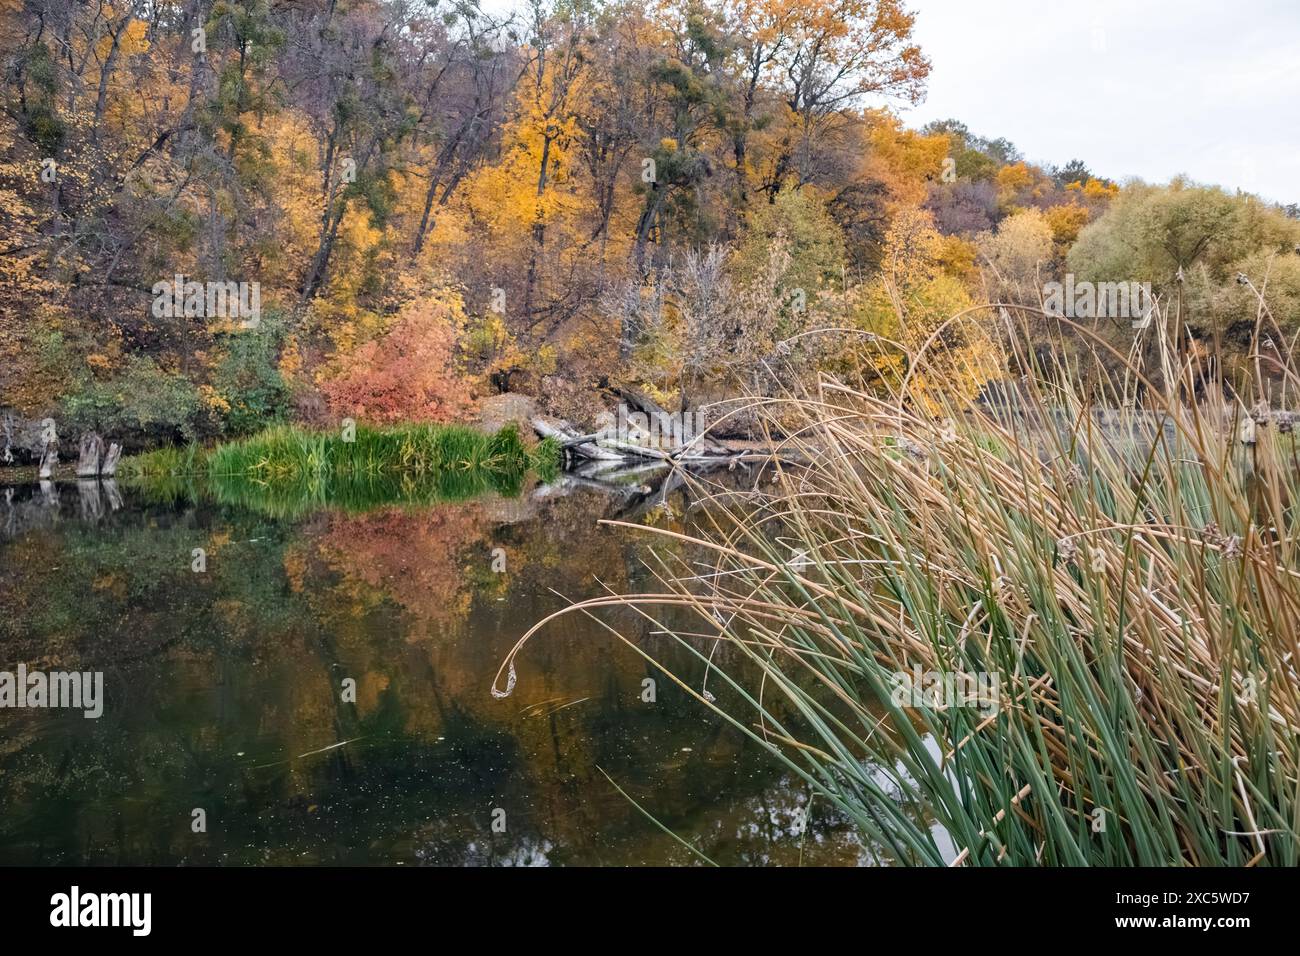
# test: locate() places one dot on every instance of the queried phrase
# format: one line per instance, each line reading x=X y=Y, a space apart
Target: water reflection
x=225 y=690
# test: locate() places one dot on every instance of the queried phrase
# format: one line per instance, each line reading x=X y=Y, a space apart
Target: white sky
x=1148 y=88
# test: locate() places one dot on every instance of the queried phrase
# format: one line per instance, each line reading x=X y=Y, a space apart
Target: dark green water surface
x=224 y=689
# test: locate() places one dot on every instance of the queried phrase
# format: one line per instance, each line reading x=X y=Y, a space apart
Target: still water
x=224 y=690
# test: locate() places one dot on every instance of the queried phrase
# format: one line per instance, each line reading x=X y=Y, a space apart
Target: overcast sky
x=1147 y=88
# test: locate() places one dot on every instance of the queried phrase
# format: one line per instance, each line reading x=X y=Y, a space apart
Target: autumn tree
x=836 y=53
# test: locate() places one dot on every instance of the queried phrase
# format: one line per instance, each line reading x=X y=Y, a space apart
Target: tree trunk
x=110 y=62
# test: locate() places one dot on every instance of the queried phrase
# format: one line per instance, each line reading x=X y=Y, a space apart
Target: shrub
x=407 y=374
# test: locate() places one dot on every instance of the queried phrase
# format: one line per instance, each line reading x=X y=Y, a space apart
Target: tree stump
x=109 y=466
x=92 y=449
x=49 y=459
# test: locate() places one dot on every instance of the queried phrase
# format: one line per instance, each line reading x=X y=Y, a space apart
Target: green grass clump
x=288 y=452
x=545 y=459
x=288 y=470
x=167 y=461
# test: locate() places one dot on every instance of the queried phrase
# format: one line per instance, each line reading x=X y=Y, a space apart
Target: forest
x=432 y=203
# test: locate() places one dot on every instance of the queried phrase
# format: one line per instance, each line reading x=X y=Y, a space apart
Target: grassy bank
x=286 y=472
x=1130 y=593
x=288 y=453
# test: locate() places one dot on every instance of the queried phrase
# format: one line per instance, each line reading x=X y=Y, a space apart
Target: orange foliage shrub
x=407 y=374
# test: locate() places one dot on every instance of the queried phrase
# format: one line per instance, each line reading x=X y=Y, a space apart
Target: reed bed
x=1118 y=567
x=291 y=499
x=286 y=472
x=290 y=454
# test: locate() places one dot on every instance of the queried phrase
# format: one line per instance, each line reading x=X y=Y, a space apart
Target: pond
x=229 y=734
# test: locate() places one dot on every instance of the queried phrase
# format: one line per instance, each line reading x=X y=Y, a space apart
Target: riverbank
x=291 y=453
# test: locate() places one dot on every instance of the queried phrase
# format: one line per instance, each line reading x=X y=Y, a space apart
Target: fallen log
x=590 y=437
x=606 y=445
x=547 y=430
x=628 y=448
x=667 y=424
x=569 y=441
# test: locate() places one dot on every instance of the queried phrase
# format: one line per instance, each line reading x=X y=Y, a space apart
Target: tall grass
x=167 y=461
x=288 y=471
x=1123 y=564
x=291 y=453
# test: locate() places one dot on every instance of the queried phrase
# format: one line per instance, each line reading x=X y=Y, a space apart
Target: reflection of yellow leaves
x=295 y=569
x=113 y=583
x=369 y=689
x=233 y=612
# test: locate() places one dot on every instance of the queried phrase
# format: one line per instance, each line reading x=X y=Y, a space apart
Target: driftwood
x=633 y=449
x=609 y=445
x=571 y=442
x=669 y=424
